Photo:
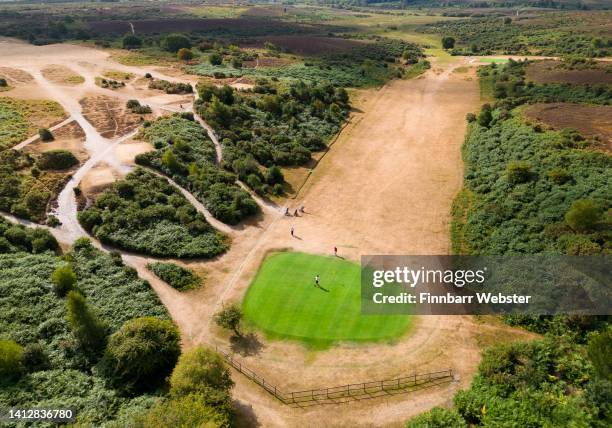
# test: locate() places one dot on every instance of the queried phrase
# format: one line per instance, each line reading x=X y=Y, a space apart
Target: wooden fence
x=339 y=394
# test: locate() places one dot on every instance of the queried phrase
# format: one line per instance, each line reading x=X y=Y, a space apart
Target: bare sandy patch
x=69 y=137
x=62 y=75
x=15 y=77
x=98 y=179
x=109 y=115
x=127 y=151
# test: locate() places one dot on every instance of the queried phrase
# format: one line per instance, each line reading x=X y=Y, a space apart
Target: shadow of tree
x=244 y=416
x=246 y=345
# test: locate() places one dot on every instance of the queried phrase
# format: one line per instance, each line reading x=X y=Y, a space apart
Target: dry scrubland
x=386 y=185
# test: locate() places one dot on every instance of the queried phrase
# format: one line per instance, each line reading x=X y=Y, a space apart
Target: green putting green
x=495 y=60
x=284 y=302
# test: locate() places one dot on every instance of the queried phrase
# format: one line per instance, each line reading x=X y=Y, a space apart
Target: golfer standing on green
x=316 y=278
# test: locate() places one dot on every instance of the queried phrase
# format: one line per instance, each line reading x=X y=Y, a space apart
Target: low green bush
x=57 y=159
x=45 y=134
x=176 y=276
x=10 y=360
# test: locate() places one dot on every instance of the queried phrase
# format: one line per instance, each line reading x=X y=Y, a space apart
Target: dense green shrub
x=131 y=42
x=184 y=54
x=57 y=159
x=599 y=351
x=438 y=418
x=200 y=370
x=230 y=318
x=518 y=172
x=145 y=213
x=64 y=279
x=10 y=360
x=187 y=411
x=174 y=42
x=583 y=215
x=134 y=106
x=176 y=276
x=215 y=59
x=55 y=370
x=186 y=154
x=86 y=327
x=45 y=134
x=529 y=217
x=141 y=354
x=448 y=42
x=15 y=237
x=170 y=87
x=34 y=358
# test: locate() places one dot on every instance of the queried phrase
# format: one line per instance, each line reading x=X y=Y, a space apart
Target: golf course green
x=284 y=302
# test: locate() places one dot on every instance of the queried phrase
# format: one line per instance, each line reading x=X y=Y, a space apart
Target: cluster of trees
x=488 y=35
x=176 y=276
x=272 y=127
x=93 y=332
x=80 y=333
x=14 y=237
x=29 y=182
x=185 y=153
x=109 y=83
x=531 y=191
x=549 y=382
x=372 y=64
x=146 y=214
x=170 y=87
x=509 y=85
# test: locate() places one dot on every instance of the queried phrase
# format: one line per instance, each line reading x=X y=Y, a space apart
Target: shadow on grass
x=246 y=344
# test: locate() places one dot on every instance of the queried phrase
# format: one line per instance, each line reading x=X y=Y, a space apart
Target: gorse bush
x=15 y=238
x=141 y=354
x=45 y=134
x=87 y=328
x=25 y=190
x=53 y=367
x=272 y=129
x=57 y=159
x=144 y=213
x=170 y=87
x=10 y=360
x=64 y=279
x=186 y=154
x=584 y=215
x=177 y=276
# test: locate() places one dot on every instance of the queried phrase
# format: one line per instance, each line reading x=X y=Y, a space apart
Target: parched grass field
x=284 y=302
